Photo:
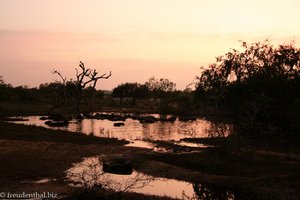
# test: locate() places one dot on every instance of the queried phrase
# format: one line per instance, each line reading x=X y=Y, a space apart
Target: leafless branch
x=59 y=74
x=89 y=174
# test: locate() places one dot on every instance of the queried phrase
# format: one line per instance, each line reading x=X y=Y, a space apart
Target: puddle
x=15 y=119
x=43 y=181
x=150 y=145
x=89 y=174
x=141 y=144
x=175 y=146
x=146 y=145
x=190 y=144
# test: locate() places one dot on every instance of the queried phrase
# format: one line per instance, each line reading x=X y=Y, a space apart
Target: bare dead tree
x=92 y=78
x=61 y=94
x=95 y=78
x=84 y=76
x=63 y=81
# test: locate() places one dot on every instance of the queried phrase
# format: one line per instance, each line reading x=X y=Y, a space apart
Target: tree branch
x=59 y=74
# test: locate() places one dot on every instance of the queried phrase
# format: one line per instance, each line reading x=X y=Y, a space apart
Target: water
x=88 y=174
x=147 y=145
x=44 y=180
x=134 y=131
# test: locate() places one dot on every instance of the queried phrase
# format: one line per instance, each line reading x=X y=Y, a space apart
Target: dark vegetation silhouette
x=258 y=88
x=19 y=94
x=133 y=91
x=157 y=95
x=161 y=90
x=1 y=80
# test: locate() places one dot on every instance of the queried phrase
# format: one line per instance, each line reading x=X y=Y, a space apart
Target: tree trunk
x=78 y=99
x=93 y=101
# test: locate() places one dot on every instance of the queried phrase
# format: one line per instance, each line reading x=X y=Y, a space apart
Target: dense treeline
x=20 y=94
x=47 y=93
x=159 y=95
x=258 y=87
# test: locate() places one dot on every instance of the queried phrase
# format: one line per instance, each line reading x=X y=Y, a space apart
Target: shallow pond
x=139 y=134
x=89 y=173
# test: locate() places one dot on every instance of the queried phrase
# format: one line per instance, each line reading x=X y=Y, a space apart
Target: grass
x=32 y=133
x=13 y=109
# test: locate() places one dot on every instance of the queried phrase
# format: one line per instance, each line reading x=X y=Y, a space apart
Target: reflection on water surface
x=89 y=174
x=135 y=131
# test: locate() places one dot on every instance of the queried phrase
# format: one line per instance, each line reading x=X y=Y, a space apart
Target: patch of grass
x=33 y=133
x=13 y=109
x=218 y=161
x=285 y=143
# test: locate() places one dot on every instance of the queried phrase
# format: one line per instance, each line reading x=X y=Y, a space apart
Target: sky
x=134 y=39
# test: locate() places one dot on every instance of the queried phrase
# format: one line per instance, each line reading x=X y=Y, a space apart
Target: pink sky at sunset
x=135 y=39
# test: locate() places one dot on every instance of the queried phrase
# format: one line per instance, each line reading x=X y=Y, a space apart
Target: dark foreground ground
x=29 y=153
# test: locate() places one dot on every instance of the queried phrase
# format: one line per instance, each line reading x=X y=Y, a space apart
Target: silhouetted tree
x=254 y=85
x=84 y=77
x=63 y=87
x=5 y=90
x=161 y=89
x=130 y=90
x=50 y=93
x=161 y=85
x=119 y=92
x=141 y=91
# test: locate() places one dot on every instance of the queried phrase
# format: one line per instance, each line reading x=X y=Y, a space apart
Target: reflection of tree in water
x=89 y=174
x=204 y=192
x=219 y=129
